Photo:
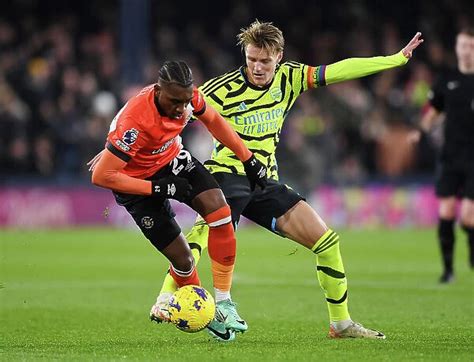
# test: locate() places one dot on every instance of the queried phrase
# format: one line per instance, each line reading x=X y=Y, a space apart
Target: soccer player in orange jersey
x=145 y=164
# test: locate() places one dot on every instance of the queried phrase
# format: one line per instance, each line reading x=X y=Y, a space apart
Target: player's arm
x=429 y=119
x=426 y=124
x=107 y=173
x=91 y=163
x=431 y=112
x=353 y=68
x=225 y=134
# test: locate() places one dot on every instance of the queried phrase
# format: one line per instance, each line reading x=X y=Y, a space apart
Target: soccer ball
x=191 y=308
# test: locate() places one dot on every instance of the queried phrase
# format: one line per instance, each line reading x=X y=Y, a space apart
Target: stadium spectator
x=40 y=42
x=14 y=118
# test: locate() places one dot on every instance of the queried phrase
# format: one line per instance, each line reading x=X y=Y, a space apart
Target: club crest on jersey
x=452 y=85
x=147 y=222
x=276 y=94
x=130 y=136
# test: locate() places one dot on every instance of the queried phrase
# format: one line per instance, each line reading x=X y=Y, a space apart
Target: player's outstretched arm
x=353 y=68
x=255 y=170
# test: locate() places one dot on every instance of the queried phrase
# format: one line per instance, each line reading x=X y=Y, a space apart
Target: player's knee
x=447 y=213
x=326 y=243
x=219 y=217
x=468 y=227
x=447 y=208
x=183 y=264
x=467 y=223
x=467 y=213
x=208 y=201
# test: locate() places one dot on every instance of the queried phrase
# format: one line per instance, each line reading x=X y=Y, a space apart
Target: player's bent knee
x=209 y=201
x=219 y=217
x=329 y=240
x=467 y=224
x=447 y=208
x=467 y=213
x=183 y=265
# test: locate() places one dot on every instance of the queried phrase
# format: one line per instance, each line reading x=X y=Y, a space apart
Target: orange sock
x=185 y=278
x=222 y=246
x=222 y=276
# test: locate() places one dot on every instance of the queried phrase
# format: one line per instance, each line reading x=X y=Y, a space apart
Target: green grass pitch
x=85 y=294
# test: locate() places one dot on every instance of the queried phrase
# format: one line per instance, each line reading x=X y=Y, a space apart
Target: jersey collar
x=253 y=86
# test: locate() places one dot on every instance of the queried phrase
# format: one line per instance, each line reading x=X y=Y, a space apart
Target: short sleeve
x=127 y=138
x=299 y=75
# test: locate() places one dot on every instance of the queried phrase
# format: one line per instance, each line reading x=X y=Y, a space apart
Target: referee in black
x=452 y=95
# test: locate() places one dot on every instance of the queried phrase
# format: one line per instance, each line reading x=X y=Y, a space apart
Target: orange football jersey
x=145 y=139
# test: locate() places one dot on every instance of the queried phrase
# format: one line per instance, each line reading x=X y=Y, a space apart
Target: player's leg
x=197 y=239
x=198 y=242
x=183 y=271
x=446 y=238
x=221 y=249
x=209 y=201
x=159 y=226
x=156 y=221
x=467 y=211
x=182 y=267
x=467 y=222
x=303 y=225
x=448 y=181
x=283 y=211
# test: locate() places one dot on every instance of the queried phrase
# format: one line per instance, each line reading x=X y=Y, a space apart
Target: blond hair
x=262 y=35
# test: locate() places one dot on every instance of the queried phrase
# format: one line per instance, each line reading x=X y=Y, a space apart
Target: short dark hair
x=467 y=30
x=177 y=72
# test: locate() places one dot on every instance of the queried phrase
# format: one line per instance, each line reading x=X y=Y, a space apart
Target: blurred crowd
x=61 y=81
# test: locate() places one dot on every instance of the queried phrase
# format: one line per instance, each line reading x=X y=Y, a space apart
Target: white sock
x=341 y=325
x=221 y=295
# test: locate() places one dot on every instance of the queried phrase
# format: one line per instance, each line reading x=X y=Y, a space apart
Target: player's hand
x=172 y=187
x=413 y=136
x=94 y=161
x=412 y=45
x=256 y=172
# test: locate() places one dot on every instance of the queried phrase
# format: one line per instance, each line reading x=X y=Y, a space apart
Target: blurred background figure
x=452 y=96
